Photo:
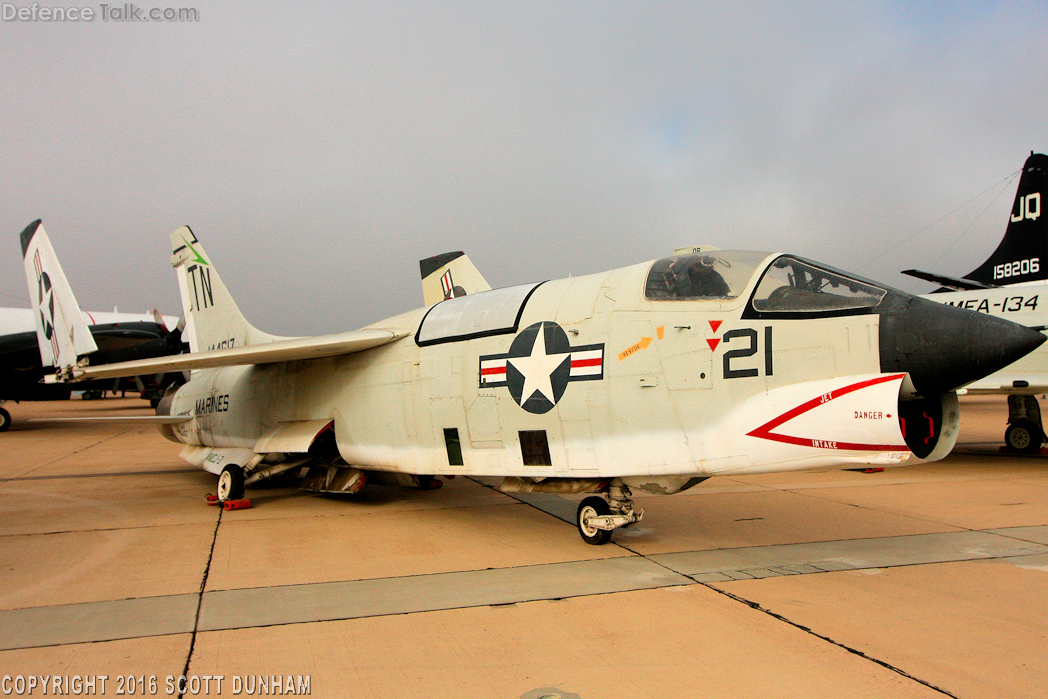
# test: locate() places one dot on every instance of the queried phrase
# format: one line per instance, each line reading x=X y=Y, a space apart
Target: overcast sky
x=320 y=150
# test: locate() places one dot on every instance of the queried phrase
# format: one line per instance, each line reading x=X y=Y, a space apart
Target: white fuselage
x=669 y=399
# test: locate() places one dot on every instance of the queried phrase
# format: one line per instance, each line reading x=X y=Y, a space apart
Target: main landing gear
x=597 y=517
x=1024 y=434
x=5 y=419
x=234 y=479
x=231 y=483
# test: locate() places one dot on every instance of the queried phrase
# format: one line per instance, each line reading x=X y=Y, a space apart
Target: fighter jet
x=29 y=346
x=651 y=377
x=1010 y=284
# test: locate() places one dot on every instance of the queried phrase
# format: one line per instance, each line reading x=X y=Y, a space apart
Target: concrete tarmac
x=923 y=581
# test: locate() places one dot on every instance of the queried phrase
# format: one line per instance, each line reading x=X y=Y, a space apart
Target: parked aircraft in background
x=651 y=377
x=1012 y=283
x=110 y=337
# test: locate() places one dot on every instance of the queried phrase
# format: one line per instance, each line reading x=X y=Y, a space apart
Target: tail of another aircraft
x=1021 y=256
x=448 y=276
x=60 y=328
x=213 y=320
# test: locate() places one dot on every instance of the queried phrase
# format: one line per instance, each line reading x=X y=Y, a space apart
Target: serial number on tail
x=1017 y=268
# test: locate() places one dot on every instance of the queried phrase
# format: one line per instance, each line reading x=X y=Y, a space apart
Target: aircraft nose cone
x=944 y=347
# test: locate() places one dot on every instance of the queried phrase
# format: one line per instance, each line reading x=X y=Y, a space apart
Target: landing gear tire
x=1023 y=437
x=592 y=507
x=231 y=483
x=5 y=420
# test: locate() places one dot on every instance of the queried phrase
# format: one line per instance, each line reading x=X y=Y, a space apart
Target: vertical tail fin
x=1021 y=256
x=60 y=328
x=449 y=275
x=213 y=320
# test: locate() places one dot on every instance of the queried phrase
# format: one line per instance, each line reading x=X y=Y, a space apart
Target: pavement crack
x=200 y=601
x=756 y=606
x=74 y=452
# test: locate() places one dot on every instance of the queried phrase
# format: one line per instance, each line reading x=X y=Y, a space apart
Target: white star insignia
x=537 y=369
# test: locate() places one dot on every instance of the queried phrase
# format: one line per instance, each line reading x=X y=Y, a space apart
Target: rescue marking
x=660 y=332
x=643 y=344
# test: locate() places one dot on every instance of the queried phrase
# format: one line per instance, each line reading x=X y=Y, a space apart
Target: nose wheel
x=597 y=517
x=591 y=513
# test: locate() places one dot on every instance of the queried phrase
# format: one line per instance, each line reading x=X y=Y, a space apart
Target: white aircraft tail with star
x=60 y=328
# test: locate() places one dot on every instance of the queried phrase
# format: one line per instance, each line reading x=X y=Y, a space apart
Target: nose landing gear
x=597 y=517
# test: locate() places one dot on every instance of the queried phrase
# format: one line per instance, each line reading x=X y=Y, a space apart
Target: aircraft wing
x=140 y=419
x=1005 y=384
x=949 y=282
x=268 y=353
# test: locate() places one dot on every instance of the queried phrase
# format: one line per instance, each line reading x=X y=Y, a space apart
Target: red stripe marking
x=765 y=430
x=494 y=370
x=578 y=363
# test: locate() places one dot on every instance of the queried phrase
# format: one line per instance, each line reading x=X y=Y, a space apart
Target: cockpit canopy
x=789 y=286
x=714 y=275
x=794 y=286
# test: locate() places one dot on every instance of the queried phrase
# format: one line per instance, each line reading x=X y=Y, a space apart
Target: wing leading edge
x=269 y=353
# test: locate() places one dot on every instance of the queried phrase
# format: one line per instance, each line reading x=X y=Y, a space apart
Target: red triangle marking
x=713 y=342
x=714 y=324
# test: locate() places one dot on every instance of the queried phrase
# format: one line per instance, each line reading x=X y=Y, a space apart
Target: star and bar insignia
x=539 y=365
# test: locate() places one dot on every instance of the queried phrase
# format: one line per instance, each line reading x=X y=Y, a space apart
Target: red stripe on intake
x=765 y=430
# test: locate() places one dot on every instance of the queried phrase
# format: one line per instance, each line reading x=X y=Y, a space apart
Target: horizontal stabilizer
x=269 y=353
x=949 y=282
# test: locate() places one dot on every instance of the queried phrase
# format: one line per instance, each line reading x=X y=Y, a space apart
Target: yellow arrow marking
x=643 y=344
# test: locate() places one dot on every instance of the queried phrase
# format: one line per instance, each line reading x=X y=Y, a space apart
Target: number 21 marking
x=732 y=372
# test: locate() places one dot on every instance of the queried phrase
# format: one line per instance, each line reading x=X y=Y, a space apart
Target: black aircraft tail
x=1021 y=256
